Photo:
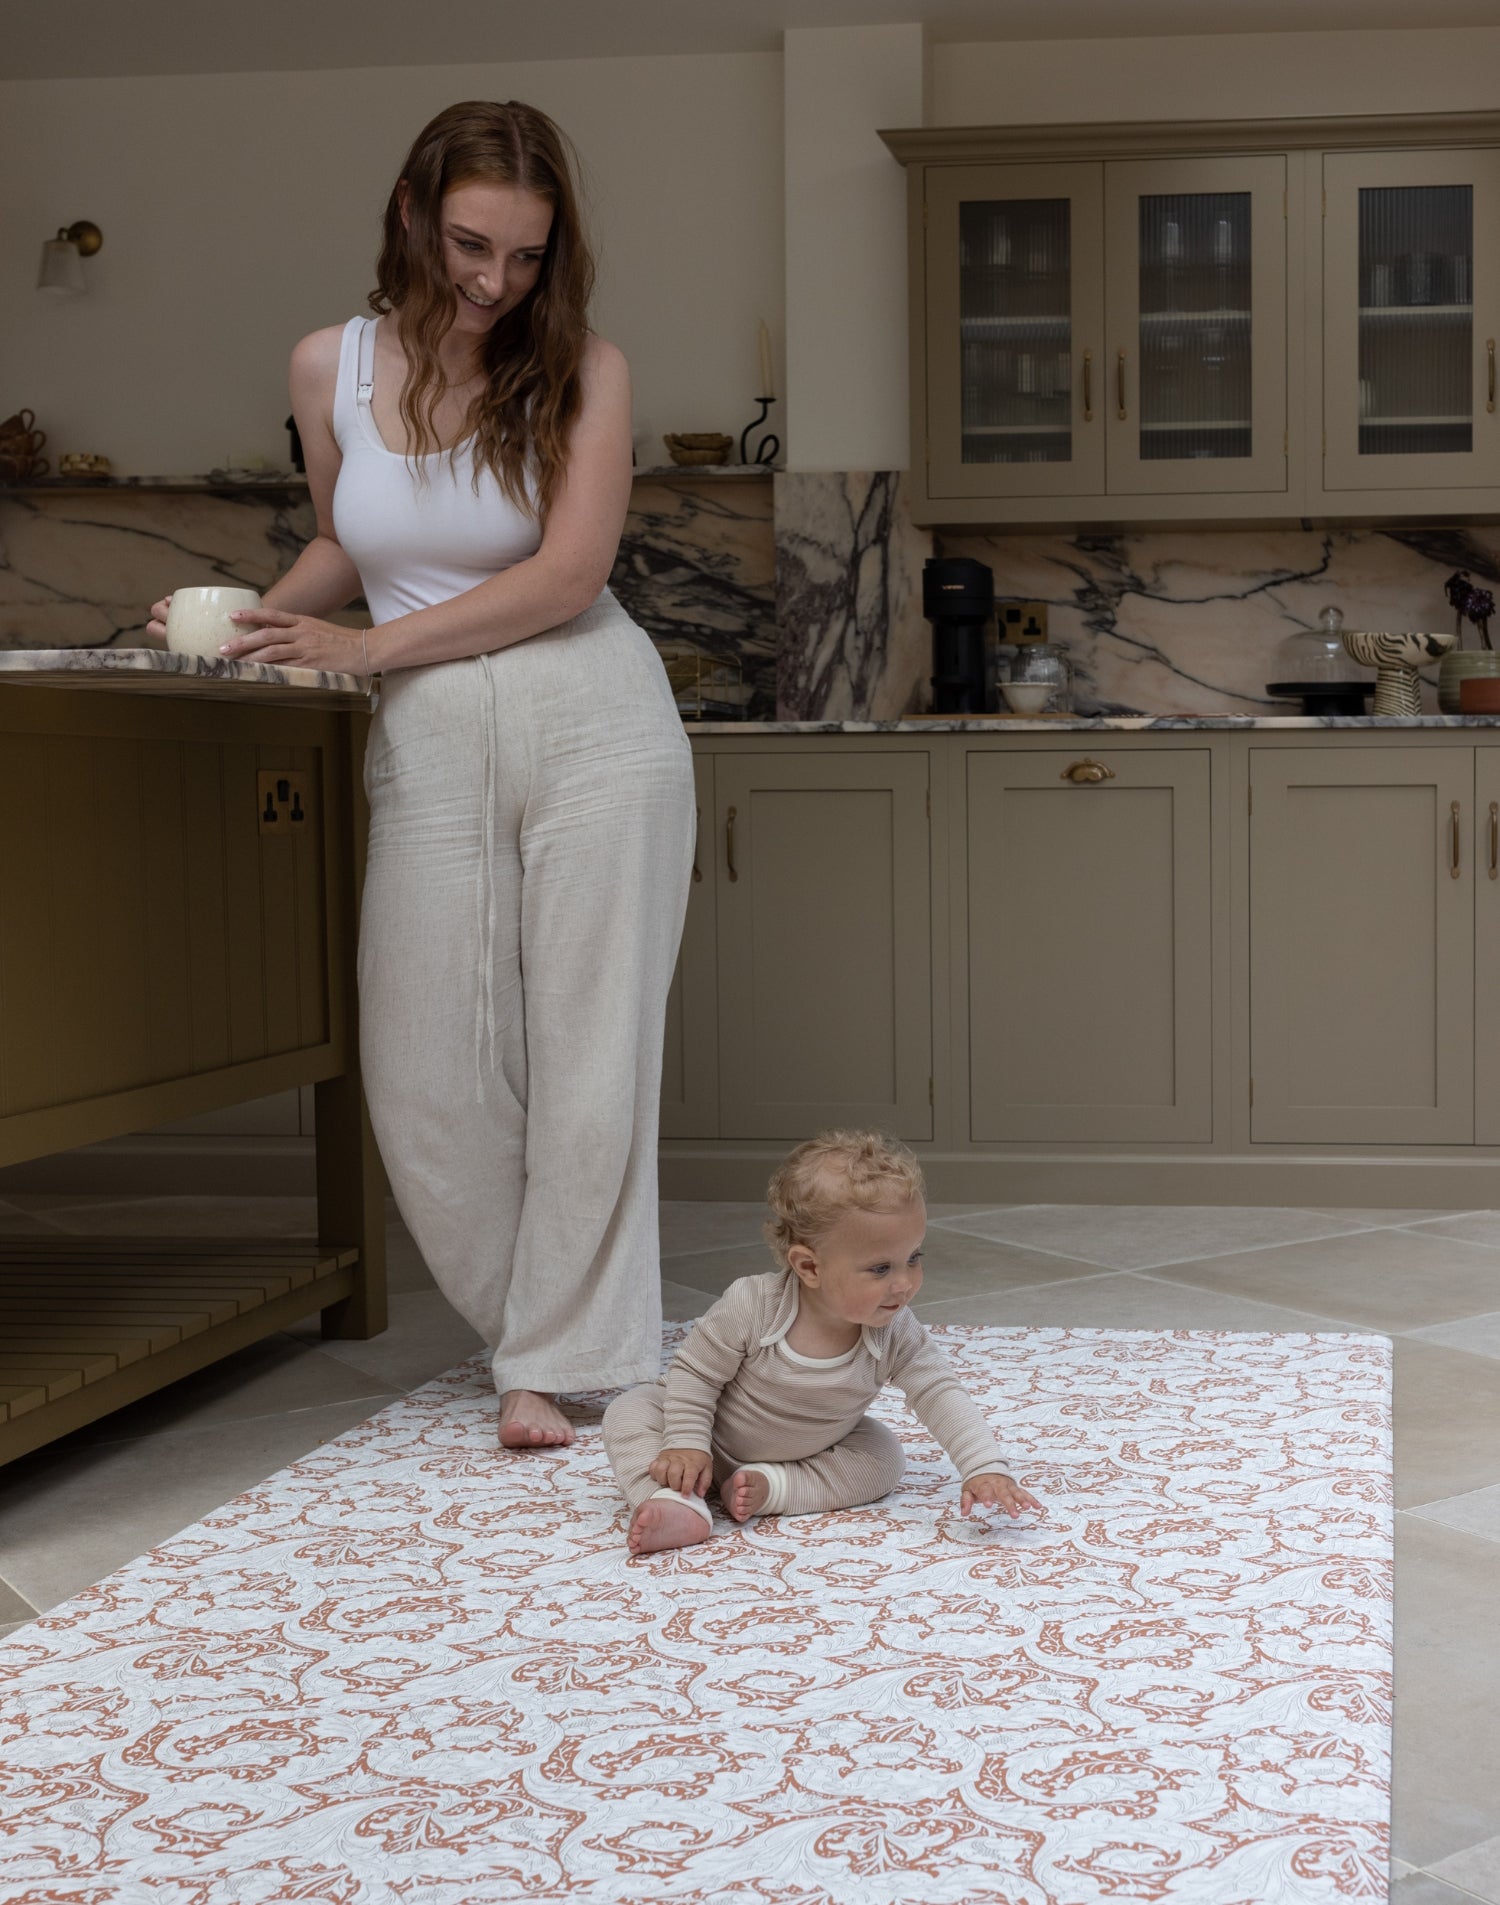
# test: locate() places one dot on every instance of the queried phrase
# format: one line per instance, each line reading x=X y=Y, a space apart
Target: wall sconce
x=63 y=256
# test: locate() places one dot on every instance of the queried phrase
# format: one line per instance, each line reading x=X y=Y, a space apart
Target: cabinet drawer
x=1090 y=946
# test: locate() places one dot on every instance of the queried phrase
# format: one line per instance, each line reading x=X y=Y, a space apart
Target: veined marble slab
x=158 y=671
x=849 y=596
x=1100 y=724
x=1194 y=621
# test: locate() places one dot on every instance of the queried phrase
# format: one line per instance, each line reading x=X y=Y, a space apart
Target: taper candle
x=767 y=386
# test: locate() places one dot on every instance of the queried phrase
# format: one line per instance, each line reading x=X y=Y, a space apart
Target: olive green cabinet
x=1192 y=320
x=1362 y=932
x=690 y=1055
x=1089 y=945
x=803 y=995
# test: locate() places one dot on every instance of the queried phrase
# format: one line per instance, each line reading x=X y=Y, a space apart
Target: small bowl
x=698 y=447
x=1396 y=649
x=1027 y=697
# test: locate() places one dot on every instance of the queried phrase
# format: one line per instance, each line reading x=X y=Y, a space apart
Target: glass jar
x=1033 y=665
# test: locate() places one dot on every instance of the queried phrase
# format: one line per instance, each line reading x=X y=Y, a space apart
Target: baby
x=767 y=1396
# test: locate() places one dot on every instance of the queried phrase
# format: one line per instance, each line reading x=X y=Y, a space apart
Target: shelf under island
x=180 y=870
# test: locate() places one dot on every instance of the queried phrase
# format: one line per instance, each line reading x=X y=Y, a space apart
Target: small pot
x=1460 y=665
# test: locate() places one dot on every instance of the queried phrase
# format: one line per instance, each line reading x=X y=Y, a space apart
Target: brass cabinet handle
x=1088 y=386
x=1489 y=346
x=1453 y=869
x=1120 y=383
x=1495 y=839
x=697 y=870
x=1087 y=773
x=729 y=844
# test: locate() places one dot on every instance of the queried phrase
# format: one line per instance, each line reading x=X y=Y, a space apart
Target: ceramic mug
x=198 y=619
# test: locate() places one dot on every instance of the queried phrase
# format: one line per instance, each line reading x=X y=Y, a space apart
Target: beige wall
x=242 y=210
x=846 y=244
x=1216 y=76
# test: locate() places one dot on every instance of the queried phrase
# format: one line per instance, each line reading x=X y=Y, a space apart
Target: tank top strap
x=355 y=377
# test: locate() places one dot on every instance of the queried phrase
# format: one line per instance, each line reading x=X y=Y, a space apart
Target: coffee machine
x=958 y=598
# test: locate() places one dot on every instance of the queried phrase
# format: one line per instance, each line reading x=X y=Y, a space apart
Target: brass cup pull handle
x=1087 y=773
x=1120 y=384
x=1489 y=346
x=1495 y=839
x=729 y=844
x=1088 y=386
x=1454 y=865
x=697 y=870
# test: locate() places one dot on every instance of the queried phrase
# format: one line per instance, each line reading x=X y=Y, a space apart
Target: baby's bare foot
x=744 y=1494
x=660 y=1523
x=532 y=1421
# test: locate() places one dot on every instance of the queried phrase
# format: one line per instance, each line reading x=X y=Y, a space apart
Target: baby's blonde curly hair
x=832 y=1174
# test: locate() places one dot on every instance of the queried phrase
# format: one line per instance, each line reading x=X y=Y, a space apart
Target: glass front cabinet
x=1135 y=329
x=1120 y=329
x=1411 y=316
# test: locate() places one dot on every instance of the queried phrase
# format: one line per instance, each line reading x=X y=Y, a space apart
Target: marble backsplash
x=79 y=569
x=1193 y=621
x=811 y=587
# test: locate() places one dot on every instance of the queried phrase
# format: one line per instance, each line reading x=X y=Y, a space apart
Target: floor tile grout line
x=26 y=1598
x=384 y=1397
x=1202 y=1256
x=1413 y=1332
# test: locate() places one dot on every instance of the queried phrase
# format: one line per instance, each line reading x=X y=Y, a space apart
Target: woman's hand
x=689 y=1471
x=157 y=623
x=295 y=641
x=996 y=1491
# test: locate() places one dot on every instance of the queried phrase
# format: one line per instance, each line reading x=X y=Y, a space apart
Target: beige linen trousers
x=531 y=841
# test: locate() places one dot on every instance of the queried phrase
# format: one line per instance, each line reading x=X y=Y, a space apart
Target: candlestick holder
x=769 y=447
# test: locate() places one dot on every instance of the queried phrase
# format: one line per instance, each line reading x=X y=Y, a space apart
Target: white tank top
x=416 y=540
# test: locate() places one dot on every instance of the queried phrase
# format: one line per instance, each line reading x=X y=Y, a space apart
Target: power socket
x=284 y=803
x=1016 y=616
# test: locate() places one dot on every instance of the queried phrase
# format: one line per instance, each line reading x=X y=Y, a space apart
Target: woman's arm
x=565 y=575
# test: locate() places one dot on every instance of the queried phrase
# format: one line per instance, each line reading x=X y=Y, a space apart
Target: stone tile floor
x=1431 y=1280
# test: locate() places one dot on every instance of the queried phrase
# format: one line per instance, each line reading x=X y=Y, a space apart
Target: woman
x=531 y=795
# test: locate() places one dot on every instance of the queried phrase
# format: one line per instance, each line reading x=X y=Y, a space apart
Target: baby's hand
x=689 y=1471
x=998 y=1491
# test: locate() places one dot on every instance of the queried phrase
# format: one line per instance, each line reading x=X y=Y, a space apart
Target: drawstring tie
x=484 y=885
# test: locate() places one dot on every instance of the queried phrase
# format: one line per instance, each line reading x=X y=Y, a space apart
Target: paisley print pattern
x=410 y=1671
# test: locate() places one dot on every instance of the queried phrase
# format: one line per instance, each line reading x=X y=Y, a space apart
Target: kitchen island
x=179 y=869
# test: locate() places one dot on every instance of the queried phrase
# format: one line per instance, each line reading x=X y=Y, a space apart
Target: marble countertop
x=1099 y=724
x=156 y=671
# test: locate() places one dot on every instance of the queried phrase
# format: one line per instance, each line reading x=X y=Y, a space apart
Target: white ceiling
x=75 y=39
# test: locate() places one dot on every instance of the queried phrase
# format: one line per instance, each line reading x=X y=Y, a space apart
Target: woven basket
x=698 y=447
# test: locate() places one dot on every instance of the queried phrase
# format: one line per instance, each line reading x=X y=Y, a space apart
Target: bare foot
x=532 y=1421
x=744 y=1494
x=660 y=1523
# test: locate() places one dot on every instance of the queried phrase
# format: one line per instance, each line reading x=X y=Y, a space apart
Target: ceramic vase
x=1455 y=667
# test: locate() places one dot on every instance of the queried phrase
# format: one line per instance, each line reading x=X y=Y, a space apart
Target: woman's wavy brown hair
x=532 y=356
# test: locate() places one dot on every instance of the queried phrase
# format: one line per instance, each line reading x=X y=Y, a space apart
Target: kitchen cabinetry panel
x=1362 y=945
x=1486 y=875
x=1411 y=317
x=690 y=1054
x=1016 y=315
x=1197 y=341
x=824 y=923
x=1090 y=946
x=216 y=945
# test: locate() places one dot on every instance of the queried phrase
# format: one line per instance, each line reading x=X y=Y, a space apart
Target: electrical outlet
x=1016 y=617
x=283 y=802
